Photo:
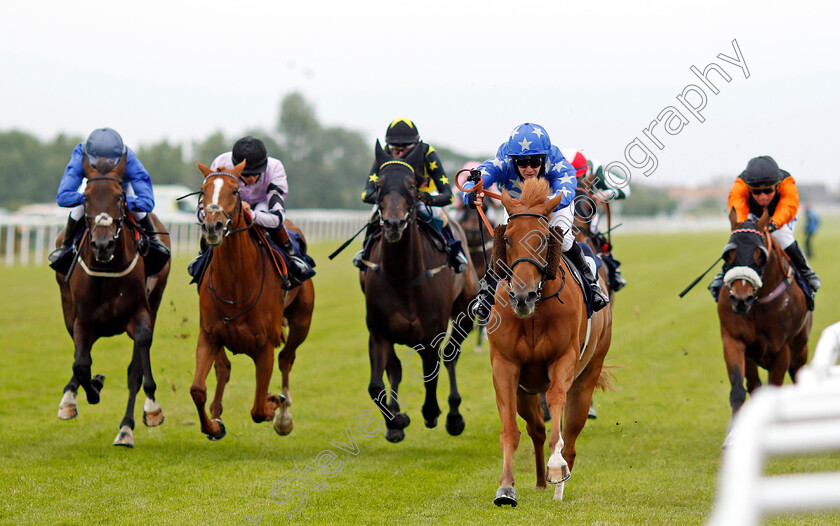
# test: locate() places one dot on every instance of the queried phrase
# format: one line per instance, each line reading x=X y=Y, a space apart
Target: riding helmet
x=577 y=160
x=762 y=172
x=251 y=150
x=528 y=139
x=104 y=143
x=402 y=131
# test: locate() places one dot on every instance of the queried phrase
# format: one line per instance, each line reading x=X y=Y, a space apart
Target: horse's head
x=397 y=192
x=221 y=201
x=527 y=238
x=745 y=256
x=104 y=206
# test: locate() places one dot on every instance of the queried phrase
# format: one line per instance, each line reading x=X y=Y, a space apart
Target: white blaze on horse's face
x=217 y=189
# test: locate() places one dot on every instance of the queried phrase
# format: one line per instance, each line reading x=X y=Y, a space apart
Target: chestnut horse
x=542 y=340
x=108 y=293
x=411 y=293
x=764 y=320
x=242 y=307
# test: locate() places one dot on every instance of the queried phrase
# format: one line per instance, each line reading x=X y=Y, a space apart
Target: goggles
x=533 y=162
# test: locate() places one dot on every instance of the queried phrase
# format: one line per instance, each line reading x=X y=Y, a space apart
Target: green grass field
x=652 y=456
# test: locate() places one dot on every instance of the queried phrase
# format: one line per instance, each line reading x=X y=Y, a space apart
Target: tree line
x=327 y=166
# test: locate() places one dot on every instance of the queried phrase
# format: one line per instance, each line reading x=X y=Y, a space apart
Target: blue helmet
x=528 y=139
x=104 y=143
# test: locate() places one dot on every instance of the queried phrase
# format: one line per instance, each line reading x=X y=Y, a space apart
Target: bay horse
x=242 y=307
x=542 y=340
x=108 y=293
x=764 y=320
x=411 y=293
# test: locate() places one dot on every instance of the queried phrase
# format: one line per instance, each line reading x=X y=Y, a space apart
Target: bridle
x=217 y=209
x=103 y=219
x=410 y=199
x=542 y=267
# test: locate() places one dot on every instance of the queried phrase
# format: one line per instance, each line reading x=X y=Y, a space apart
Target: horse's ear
x=733 y=218
x=507 y=201
x=237 y=170
x=203 y=168
x=380 y=154
x=86 y=166
x=415 y=158
x=763 y=220
x=120 y=167
x=552 y=203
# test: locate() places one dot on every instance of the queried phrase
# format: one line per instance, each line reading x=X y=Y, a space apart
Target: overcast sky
x=595 y=74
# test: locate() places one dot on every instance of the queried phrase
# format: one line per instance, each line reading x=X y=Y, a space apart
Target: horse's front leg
x=83 y=339
x=382 y=356
x=222 y=367
x=451 y=351
x=781 y=362
x=505 y=382
x=562 y=374
x=734 y=356
x=299 y=316
x=529 y=407
x=142 y=332
x=205 y=354
x=265 y=404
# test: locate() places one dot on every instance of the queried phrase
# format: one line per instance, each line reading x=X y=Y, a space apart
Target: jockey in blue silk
x=528 y=153
x=105 y=145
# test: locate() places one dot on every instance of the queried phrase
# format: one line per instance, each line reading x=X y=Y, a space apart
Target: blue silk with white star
x=501 y=172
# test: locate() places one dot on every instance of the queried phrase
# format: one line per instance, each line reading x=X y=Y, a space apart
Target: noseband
x=542 y=267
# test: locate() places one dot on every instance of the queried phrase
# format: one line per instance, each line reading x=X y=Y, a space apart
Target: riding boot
x=486 y=297
x=299 y=265
x=599 y=299
x=617 y=281
x=62 y=257
x=801 y=264
x=457 y=258
x=364 y=253
x=157 y=254
x=717 y=284
x=195 y=267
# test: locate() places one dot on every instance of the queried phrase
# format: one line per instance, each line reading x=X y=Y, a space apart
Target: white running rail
x=778 y=421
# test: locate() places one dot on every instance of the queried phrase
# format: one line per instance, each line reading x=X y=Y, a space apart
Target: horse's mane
x=534 y=192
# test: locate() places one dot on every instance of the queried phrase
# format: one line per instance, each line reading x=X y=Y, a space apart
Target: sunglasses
x=759 y=191
x=533 y=162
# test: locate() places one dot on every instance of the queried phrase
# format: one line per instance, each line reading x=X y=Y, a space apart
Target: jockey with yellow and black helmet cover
x=402 y=138
x=104 y=147
x=528 y=153
x=763 y=186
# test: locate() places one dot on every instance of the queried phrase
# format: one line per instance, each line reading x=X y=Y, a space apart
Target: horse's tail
x=606 y=381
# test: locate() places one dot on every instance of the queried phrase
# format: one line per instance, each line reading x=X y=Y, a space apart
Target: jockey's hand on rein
x=475 y=176
x=425 y=197
x=772 y=226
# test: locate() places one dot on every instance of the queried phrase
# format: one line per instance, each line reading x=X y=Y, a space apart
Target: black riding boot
x=157 y=254
x=717 y=283
x=801 y=264
x=486 y=297
x=299 y=267
x=364 y=254
x=457 y=258
x=62 y=257
x=599 y=299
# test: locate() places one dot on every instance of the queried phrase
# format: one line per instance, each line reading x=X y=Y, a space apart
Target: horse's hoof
x=431 y=424
x=556 y=475
x=154 y=418
x=394 y=435
x=505 y=496
x=67 y=411
x=283 y=423
x=592 y=414
x=455 y=424
x=96 y=385
x=222 y=432
x=400 y=421
x=125 y=437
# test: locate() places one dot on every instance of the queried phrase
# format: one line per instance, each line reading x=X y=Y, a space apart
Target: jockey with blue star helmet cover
x=527 y=153
x=105 y=147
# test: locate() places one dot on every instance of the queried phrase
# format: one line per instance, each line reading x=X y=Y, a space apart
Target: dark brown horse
x=411 y=294
x=541 y=341
x=243 y=306
x=108 y=293
x=764 y=320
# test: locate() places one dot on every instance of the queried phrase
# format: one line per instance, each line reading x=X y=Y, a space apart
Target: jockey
x=104 y=145
x=592 y=180
x=529 y=153
x=763 y=186
x=264 y=188
x=401 y=138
